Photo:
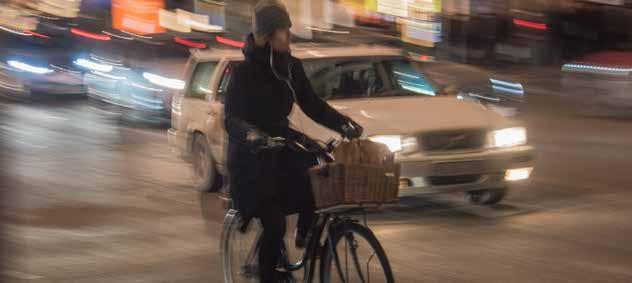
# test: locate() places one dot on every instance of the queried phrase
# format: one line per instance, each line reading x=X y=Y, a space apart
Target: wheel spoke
x=240 y=252
x=354 y=254
x=254 y=248
x=346 y=263
x=368 y=258
x=337 y=264
x=368 y=269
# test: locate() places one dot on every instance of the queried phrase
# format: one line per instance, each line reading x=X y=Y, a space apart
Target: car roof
x=305 y=51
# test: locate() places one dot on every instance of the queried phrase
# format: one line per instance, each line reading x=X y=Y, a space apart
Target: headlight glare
x=394 y=143
x=409 y=145
x=509 y=137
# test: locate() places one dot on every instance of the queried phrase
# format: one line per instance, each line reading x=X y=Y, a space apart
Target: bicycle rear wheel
x=357 y=257
x=239 y=249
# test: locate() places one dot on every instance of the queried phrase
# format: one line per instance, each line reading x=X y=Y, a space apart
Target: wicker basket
x=354 y=184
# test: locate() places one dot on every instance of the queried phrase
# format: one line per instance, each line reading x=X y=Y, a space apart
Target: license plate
x=459 y=167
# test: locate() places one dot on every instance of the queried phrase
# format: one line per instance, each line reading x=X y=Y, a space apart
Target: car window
x=201 y=80
x=405 y=76
x=357 y=77
x=341 y=79
x=223 y=85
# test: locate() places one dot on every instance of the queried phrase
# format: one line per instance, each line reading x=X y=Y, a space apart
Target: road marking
x=15 y=130
x=31 y=145
x=51 y=117
x=21 y=275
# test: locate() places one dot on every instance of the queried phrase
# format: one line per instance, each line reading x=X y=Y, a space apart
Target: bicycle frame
x=314 y=249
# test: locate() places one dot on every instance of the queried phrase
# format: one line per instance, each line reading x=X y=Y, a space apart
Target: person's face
x=280 y=40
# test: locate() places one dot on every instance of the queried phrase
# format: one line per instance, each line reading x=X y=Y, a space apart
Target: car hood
x=408 y=115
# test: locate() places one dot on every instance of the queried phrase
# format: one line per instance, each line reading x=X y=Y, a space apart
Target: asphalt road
x=88 y=199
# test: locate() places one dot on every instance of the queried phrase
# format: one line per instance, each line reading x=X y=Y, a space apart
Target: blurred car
x=23 y=81
x=599 y=84
x=125 y=91
x=529 y=37
x=444 y=144
x=492 y=89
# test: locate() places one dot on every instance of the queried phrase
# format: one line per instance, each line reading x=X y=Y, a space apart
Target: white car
x=23 y=81
x=443 y=143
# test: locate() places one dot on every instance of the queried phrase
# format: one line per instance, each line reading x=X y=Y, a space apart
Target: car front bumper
x=466 y=171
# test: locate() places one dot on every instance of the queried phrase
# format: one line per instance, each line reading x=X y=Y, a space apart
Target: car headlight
x=394 y=143
x=509 y=137
x=410 y=145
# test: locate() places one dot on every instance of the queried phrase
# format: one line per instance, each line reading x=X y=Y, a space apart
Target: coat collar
x=255 y=53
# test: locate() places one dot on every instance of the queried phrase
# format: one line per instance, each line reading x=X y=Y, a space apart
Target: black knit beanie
x=269 y=16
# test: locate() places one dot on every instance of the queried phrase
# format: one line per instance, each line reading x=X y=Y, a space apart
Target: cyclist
x=268 y=181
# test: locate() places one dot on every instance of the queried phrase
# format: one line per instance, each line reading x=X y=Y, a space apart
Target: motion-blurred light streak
x=164 y=82
x=529 y=24
x=29 y=68
x=91 y=35
x=229 y=42
x=93 y=65
x=108 y=76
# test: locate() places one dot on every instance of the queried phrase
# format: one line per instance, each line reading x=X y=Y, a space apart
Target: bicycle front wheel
x=239 y=249
x=355 y=256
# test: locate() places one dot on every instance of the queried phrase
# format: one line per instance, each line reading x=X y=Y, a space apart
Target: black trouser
x=286 y=191
x=273 y=221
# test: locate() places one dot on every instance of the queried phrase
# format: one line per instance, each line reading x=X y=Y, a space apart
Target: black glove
x=351 y=129
x=258 y=141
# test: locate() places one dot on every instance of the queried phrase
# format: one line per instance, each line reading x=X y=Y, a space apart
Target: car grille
x=467 y=139
x=453 y=180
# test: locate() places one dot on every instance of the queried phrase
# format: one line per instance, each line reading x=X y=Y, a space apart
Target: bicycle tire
x=231 y=229
x=326 y=267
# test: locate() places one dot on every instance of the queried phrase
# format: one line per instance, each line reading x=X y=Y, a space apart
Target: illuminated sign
x=137 y=16
x=183 y=21
x=397 y=8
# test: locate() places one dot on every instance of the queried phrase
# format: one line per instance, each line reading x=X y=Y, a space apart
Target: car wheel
x=205 y=178
x=486 y=197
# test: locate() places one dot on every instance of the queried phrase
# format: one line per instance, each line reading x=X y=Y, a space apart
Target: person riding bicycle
x=268 y=181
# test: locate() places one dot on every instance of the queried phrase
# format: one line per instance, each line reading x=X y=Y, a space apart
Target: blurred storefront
x=537 y=32
x=216 y=10
x=420 y=23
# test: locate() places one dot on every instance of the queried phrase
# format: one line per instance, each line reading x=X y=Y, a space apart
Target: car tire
x=205 y=177
x=486 y=197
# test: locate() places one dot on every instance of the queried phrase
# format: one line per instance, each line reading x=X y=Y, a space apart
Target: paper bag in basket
x=363 y=152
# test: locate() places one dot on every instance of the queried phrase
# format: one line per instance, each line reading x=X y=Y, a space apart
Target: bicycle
x=240 y=242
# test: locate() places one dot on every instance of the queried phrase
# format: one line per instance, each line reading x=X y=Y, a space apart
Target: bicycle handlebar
x=323 y=153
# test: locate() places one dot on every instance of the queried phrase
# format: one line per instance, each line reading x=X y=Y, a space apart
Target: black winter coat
x=256 y=99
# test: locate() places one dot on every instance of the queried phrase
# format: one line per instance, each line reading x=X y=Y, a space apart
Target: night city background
x=512 y=120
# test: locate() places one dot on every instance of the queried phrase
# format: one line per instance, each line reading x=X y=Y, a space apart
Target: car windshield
x=361 y=77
